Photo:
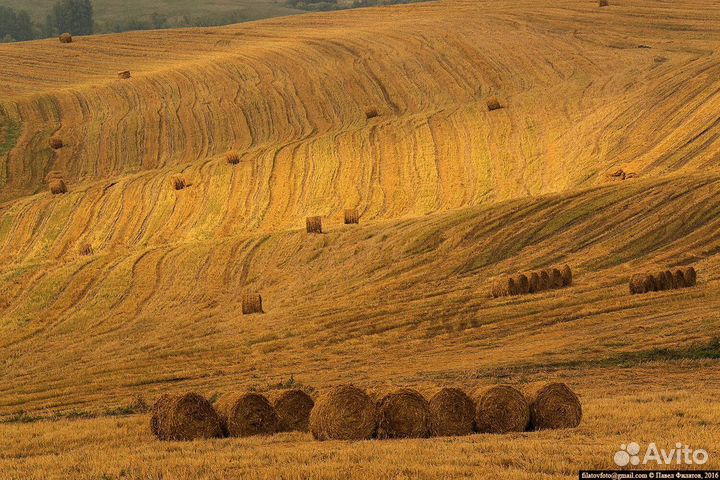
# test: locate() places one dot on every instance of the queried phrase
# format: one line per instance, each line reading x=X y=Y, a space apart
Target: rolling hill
x=451 y=195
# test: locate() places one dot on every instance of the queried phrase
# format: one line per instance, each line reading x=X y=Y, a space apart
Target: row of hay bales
x=534 y=282
x=346 y=412
x=664 y=280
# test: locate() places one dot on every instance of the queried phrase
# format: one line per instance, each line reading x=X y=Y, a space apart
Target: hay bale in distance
x=313 y=224
x=603 y=3
x=533 y=282
x=679 y=277
x=124 y=74
x=556 y=278
x=501 y=409
x=178 y=183
x=371 y=113
x=567 y=276
x=670 y=279
x=343 y=413
x=552 y=406
x=690 y=276
x=352 y=216
x=452 y=413
x=642 y=283
x=86 y=250
x=65 y=38
x=661 y=282
x=57 y=186
x=504 y=287
x=493 y=104
x=545 y=281
x=293 y=409
x=403 y=413
x=233 y=158
x=247 y=414
x=55 y=142
x=252 y=303
x=522 y=285
x=182 y=417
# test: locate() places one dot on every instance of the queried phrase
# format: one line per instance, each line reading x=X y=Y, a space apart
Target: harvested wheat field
x=452 y=194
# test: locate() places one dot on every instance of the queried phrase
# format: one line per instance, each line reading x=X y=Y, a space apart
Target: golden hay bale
x=186 y=416
x=493 y=104
x=293 y=409
x=503 y=287
x=53 y=174
x=247 y=414
x=670 y=279
x=252 y=303
x=313 y=224
x=178 y=183
x=545 y=281
x=522 y=284
x=679 y=277
x=501 y=409
x=371 y=113
x=553 y=405
x=124 y=75
x=55 y=142
x=233 y=158
x=57 y=186
x=86 y=250
x=556 y=278
x=452 y=413
x=690 y=276
x=352 y=216
x=642 y=283
x=567 y=276
x=604 y=3
x=533 y=282
x=403 y=413
x=65 y=38
x=343 y=413
x=660 y=282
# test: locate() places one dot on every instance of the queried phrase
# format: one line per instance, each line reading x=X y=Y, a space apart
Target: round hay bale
x=533 y=282
x=183 y=417
x=57 y=186
x=352 y=216
x=65 y=38
x=493 y=104
x=504 y=287
x=343 y=413
x=124 y=74
x=501 y=409
x=178 y=183
x=452 y=413
x=544 y=281
x=403 y=413
x=604 y=3
x=252 y=303
x=233 y=158
x=56 y=143
x=247 y=414
x=642 y=283
x=679 y=277
x=661 y=282
x=567 y=276
x=313 y=225
x=522 y=284
x=690 y=276
x=670 y=279
x=556 y=279
x=293 y=409
x=86 y=250
x=552 y=406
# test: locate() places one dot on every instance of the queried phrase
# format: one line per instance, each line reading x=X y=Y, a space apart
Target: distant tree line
x=326 y=5
x=74 y=16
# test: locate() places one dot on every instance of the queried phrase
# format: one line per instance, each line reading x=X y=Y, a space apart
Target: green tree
x=14 y=25
x=73 y=16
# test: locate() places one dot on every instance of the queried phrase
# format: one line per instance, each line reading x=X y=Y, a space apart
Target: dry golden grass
x=451 y=197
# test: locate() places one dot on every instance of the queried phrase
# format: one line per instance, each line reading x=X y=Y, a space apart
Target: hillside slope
x=450 y=195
